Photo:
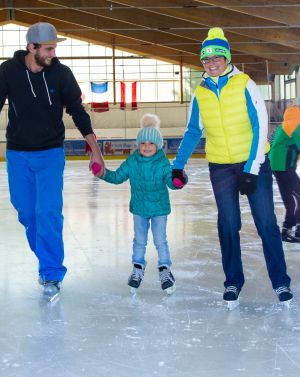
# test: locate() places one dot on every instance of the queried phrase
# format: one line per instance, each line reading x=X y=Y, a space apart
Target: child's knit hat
x=150 y=131
x=215 y=44
x=291 y=119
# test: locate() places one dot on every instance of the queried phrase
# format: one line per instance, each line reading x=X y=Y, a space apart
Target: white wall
x=117 y=123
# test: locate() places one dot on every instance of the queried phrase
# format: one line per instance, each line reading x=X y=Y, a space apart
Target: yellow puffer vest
x=228 y=129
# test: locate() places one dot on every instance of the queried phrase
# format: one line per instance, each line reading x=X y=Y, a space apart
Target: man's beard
x=41 y=61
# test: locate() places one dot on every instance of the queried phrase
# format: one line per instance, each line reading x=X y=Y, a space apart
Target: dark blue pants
x=225 y=183
x=289 y=186
x=35 y=185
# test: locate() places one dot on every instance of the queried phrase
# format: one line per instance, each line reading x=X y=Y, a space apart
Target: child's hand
x=179 y=178
x=96 y=167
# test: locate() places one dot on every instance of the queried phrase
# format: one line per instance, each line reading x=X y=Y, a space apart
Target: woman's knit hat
x=215 y=45
x=150 y=131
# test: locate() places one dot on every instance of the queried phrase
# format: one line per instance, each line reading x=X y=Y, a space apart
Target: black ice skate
x=284 y=295
x=51 y=288
x=287 y=235
x=297 y=233
x=167 y=279
x=136 y=277
x=231 y=296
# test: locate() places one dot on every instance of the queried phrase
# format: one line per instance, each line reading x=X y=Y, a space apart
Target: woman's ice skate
x=284 y=295
x=231 y=296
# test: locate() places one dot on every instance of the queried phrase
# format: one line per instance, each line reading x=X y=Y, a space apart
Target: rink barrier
x=118 y=148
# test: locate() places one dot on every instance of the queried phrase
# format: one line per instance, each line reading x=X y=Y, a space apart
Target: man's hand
x=96 y=165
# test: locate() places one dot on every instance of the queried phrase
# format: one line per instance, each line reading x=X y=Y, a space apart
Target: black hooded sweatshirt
x=36 y=104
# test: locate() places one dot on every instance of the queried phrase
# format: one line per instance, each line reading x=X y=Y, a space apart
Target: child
x=283 y=156
x=149 y=172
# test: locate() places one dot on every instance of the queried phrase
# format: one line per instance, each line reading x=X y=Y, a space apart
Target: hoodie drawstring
x=34 y=95
x=47 y=88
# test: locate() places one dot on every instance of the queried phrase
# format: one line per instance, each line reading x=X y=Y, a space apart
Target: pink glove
x=96 y=168
x=179 y=178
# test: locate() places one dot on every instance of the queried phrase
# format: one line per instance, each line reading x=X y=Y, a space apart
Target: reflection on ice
x=98 y=329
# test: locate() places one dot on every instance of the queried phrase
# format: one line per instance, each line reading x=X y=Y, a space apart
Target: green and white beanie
x=150 y=131
x=215 y=44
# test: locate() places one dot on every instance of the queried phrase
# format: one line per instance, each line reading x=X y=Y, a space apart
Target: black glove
x=179 y=178
x=247 y=184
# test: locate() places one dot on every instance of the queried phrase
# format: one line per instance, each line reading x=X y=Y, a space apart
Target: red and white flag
x=128 y=95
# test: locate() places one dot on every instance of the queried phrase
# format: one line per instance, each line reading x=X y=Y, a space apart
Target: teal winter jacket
x=149 y=178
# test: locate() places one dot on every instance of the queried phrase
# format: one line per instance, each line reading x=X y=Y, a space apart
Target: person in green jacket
x=283 y=156
x=150 y=174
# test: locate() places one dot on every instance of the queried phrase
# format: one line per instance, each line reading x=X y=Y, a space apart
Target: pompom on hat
x=150 y=131
x=215 y=44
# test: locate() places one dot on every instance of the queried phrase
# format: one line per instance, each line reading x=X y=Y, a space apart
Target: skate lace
x=282 y=290
x=164 y=276
x=231 y=288
x=137 y=273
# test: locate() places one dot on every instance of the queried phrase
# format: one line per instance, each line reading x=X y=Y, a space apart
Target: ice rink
x=98 y=329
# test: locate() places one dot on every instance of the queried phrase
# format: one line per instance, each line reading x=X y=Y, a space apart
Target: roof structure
x=264 y=35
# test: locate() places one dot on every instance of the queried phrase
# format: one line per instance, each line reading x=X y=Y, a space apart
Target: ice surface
x=98 y=329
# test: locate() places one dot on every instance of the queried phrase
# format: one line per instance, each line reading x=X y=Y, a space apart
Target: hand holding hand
x=97 y=167
x=179 y=178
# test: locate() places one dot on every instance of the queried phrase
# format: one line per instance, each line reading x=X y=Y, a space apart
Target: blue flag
x=99 y=88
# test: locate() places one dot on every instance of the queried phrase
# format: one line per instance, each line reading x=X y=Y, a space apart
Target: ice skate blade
x=133 y=291
x=231 y=305
x=287 y=304
x=51 y=298
x=171 y=290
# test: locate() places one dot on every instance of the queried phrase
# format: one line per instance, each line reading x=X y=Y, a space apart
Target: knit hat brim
x=215 y=47
x=151 y=135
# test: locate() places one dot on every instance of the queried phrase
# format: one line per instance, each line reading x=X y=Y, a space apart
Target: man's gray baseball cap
x=43 y=33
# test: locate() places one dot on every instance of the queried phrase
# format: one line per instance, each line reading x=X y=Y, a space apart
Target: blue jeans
x=35 y=185
x=225 y=183
x=158 y=227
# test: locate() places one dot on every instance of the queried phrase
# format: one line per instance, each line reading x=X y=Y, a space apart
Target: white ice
x=98 y=328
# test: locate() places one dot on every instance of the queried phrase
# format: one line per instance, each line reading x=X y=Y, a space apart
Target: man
x=283 y=156
x=228 y=105
x=38 y=87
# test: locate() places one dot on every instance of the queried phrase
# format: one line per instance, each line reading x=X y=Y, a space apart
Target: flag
x=99 y=102
x=133 y=96
x=125 y=93
x=99 y=107
x=99 y=88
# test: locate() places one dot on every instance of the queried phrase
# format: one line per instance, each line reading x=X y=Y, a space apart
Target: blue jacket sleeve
x=119 y=176
x=191 y=136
